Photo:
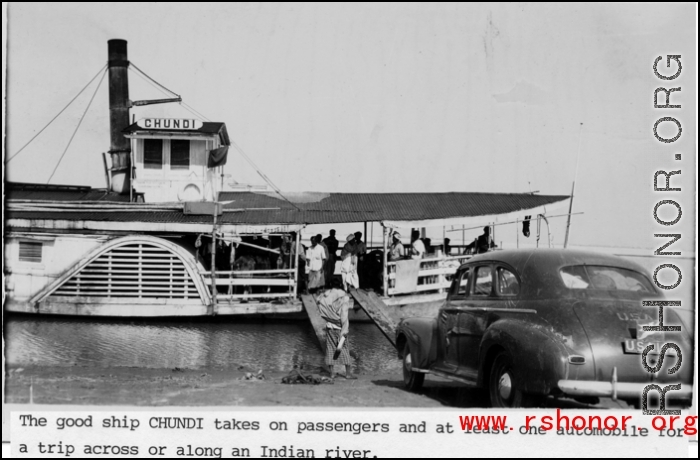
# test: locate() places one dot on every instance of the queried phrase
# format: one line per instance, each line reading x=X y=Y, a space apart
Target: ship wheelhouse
x=177 y=160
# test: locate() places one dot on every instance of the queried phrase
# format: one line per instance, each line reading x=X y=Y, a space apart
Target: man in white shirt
x=348 y=265
x=417 y=246
x=315 y=259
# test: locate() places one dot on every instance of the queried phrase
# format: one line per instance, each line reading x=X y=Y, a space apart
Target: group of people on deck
x=397 y=250
x=482 y=244
x=321 y=258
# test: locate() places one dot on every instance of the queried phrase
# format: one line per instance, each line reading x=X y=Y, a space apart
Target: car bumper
x=617 y=390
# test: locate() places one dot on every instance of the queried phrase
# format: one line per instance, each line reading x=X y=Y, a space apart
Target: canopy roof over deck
x=31 y=205
x=391 y=209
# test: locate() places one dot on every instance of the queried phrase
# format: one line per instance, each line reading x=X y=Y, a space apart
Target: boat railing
x=253 y=284
x=434 y=274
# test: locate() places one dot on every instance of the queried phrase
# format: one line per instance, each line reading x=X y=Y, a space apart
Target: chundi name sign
x=169 y=123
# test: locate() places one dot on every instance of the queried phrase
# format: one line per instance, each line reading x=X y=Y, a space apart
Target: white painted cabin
x=172 y=159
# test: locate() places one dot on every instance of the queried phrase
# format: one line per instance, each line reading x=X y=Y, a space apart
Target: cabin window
x=179 y=154
x=30 y=251
x=153 y=153
x=507 y=282
x=483 y=281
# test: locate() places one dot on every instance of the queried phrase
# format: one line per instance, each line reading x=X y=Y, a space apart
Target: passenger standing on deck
x=287 y=251
x=417 y=246
x=333 y=305
x=446 y=248
x=326 y=278
x=332 y=245
x=315 y=256
x=348 y=264
x=360 y=251
x=482 y=244
x=204 y=249
x=360 y=246
x=396 y=250
x=428 y=245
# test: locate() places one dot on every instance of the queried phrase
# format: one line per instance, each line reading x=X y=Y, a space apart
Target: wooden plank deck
x=318 y=323
x=383 y=316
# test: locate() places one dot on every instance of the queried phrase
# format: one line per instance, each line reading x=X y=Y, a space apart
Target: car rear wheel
x=503 y=384
x=412 y=380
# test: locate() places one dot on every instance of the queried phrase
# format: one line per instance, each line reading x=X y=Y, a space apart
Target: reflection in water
x=214 y=344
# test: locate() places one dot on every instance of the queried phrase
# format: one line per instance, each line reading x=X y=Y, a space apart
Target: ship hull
x=408 y=306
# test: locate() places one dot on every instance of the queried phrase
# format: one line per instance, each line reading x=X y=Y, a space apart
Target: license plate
x=634 y=346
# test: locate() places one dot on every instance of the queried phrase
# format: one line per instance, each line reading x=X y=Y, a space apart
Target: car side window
x=482 y=281
x=507 y=282
x=463 y=283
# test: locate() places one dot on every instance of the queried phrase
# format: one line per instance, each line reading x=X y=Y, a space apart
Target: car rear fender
x=538 y=354
x=421 y=335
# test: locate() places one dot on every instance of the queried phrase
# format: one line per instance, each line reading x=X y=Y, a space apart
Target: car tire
x=413 y=380
x=503 y=383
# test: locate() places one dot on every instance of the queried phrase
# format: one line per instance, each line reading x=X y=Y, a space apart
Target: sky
x=384 y=98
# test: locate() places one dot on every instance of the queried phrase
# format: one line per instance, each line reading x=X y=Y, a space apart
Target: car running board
x=445 y=376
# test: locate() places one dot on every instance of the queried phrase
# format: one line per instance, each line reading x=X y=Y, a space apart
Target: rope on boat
x=57 y=115
x=150 y=80
x=77 y=127
x=131 y=64
x=261 y=174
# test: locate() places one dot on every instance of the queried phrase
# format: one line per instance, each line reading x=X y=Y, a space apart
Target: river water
x=216 y=344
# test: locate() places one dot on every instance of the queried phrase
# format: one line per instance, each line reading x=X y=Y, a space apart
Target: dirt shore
x=188 y=387
x=185 y=387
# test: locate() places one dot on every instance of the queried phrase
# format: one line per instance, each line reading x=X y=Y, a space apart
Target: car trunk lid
x=614 y=331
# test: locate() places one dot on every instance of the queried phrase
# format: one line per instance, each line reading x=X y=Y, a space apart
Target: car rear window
x=604 y=279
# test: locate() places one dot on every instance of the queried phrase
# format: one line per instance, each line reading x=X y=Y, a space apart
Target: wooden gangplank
x=383 y=316
x=318 y=323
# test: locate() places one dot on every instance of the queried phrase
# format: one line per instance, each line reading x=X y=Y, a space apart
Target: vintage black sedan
x=524 y=324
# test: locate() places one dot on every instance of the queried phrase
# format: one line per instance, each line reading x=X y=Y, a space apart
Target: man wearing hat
x=348 y=264
x=396 y=249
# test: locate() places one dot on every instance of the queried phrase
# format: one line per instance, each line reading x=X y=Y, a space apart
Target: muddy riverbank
x=187 y=387
x=191 y=387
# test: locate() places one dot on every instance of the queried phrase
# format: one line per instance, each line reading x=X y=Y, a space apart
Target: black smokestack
x=120 y=147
